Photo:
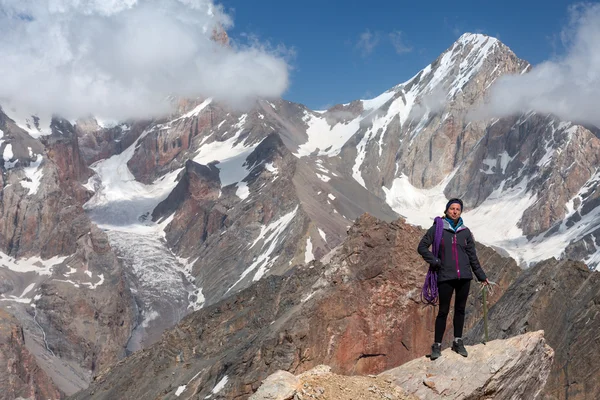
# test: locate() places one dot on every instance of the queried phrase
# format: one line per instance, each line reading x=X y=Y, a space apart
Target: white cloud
x=568 y=87
x=367 y=42
x=399 y=43
x=125 y=58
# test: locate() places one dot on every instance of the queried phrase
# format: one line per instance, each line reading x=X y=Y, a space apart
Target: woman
x=455 y=266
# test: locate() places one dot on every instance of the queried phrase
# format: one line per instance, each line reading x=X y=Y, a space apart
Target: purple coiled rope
x=430 y=288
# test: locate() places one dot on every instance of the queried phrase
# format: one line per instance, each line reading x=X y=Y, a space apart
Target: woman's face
x=454 y=211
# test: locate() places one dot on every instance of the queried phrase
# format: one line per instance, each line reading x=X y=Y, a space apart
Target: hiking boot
x=459 y=347
x=436 y=351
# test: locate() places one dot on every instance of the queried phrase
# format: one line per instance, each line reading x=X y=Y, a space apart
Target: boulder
x=515 y=368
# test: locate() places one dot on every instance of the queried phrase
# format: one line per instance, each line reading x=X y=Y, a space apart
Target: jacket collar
x=448 y=226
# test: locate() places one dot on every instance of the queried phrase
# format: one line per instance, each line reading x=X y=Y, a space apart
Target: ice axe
x=484 y=290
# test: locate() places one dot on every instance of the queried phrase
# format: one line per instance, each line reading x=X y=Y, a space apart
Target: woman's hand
x=437 y=265
x=486 y=283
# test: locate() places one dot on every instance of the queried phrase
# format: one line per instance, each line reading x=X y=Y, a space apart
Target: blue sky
x=333 y=65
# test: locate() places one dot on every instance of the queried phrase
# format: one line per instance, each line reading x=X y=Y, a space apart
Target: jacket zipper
x=455 y=254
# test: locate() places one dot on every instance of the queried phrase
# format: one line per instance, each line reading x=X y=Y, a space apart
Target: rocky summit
x=218 y=245
x=515 y=368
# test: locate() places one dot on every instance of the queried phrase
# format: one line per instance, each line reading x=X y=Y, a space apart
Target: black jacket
x=458 y=258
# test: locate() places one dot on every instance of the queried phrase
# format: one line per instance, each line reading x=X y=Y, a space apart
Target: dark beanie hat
x=453 y=201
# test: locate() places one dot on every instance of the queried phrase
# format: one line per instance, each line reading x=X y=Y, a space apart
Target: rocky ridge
x=360 y=313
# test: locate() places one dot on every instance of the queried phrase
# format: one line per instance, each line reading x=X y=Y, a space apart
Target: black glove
x=436 y=265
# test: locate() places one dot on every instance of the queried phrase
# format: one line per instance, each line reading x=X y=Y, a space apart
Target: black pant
x=445 y=290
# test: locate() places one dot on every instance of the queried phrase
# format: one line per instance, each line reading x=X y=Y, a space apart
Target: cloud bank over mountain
x=568 y=87
x=127 y=58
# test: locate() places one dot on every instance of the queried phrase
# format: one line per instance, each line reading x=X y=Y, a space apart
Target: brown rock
x=20 y=375
x=320 y=383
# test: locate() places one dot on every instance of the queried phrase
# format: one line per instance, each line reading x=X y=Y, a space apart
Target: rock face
x=560 y=297
x=360 y=313
x=90 y=326
x=41 y=200
x=20 y=376
x=515 y=368
x=59 y=276
x=97 y=143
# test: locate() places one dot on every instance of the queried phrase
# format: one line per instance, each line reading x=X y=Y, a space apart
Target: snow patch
x=323 y=178
x=308 y=254
x=242 y=191
x=27 y=290
x=34 y=173
x=120 y=200
x=324 y=137
x=180 y=390
x=308 y=297
x=32 y=264
x=231 y=157
x=16 y=299
x=378 y=101
x=195 y=111
x=149 y=315
x=504 y=206
x=271 y=168
x=220 y=385
x=418 y=206
x=7 y=155
x=264 y=260
x=323 y=235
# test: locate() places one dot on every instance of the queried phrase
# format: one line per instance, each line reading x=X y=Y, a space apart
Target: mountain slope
x=360 y=313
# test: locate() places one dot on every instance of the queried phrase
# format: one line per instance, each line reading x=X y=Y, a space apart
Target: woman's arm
x=424 y=251
x=473 y=260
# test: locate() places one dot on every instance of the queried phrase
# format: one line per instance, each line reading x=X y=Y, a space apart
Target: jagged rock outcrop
x=20 y=375
x=515 y=368
x=41 y=201
x=62 y=148
x=562 y=298
x=164 y=148
x=361 y=313
x=97 y=143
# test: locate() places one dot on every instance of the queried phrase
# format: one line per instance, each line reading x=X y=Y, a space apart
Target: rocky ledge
x=515 y=368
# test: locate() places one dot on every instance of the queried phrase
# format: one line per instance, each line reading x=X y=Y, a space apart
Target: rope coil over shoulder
x=429 y=292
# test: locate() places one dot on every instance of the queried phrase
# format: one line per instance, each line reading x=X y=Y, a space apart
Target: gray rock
x=281 y=385
x=515 y=368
